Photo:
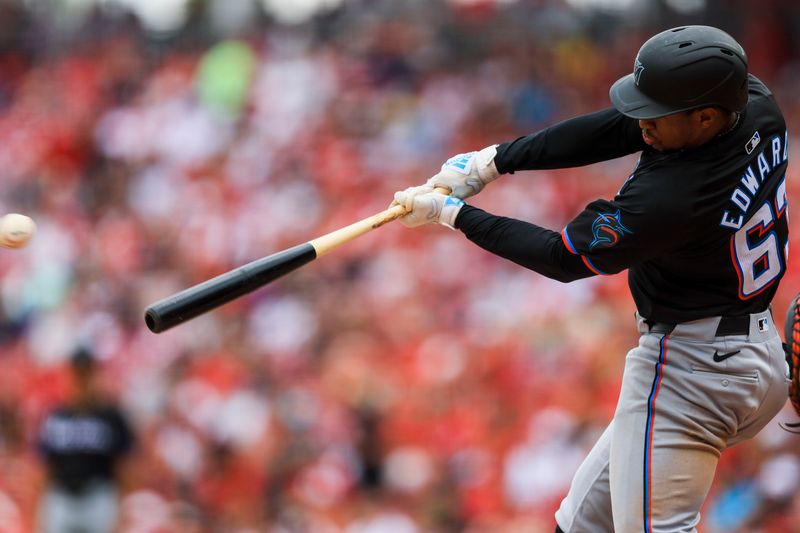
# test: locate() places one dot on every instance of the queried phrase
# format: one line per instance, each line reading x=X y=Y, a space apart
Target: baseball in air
x=16 y=230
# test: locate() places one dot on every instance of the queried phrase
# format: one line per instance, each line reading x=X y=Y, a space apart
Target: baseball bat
x=208 y=295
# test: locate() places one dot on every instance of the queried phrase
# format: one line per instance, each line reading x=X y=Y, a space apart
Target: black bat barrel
x=218 y=291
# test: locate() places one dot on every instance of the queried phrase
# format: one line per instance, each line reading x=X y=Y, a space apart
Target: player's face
x=687 y=129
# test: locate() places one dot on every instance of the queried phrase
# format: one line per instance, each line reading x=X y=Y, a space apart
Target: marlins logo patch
x=607 y=230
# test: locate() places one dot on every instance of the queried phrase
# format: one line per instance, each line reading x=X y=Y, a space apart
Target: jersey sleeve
x=124 y=439
x=528 y=245
x=579 y=141
x=42 y=443
x=611 y=235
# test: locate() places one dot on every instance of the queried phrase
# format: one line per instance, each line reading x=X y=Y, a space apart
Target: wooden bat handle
x=330 y=241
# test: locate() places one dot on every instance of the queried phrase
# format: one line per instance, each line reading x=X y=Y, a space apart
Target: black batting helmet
x=681 y=69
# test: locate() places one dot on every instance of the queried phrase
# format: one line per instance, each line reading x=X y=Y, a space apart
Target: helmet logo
x=638 y=68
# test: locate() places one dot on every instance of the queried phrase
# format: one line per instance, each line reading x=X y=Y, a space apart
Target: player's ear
x=707 y=117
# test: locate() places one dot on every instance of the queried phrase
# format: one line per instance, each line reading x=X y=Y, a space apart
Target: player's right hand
x=426 y=207
x=467 y=174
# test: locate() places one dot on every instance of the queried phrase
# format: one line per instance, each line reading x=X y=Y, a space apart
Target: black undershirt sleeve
x=579 y=141
x=526 y=244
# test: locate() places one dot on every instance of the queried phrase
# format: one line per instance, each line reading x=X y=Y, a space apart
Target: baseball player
x=83 y=443
x=701 y=226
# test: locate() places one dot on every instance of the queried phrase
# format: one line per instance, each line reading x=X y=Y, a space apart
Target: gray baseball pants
x=688 y=392
x=94 y=510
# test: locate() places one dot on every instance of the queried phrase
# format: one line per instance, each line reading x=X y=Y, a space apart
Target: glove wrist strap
x=450 y=209
x=485 y=162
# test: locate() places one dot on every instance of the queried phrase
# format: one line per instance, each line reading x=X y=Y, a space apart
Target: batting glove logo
x=607 y=230
x=460 y=163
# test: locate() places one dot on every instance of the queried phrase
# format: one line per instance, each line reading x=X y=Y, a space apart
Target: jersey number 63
x=755 y=247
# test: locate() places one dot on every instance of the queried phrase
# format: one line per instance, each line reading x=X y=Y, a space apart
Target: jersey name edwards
x=774 y=153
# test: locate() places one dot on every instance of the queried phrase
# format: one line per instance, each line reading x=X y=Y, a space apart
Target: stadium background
x=407 y=382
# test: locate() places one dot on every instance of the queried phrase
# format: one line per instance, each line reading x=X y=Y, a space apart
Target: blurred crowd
x=407 y=382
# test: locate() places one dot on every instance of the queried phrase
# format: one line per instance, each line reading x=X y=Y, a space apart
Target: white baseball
x=16 y=230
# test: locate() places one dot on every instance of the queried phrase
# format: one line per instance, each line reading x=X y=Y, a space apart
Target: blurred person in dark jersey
x=83 y=443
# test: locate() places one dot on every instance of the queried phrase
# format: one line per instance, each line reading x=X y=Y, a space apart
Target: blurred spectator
x=83 y=443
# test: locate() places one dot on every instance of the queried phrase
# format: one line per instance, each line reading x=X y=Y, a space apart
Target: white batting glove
x=409 y=194
x=427 y=207
x=467 y=174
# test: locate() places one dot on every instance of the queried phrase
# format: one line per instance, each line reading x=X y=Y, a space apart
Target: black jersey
x=83 y=446
x=703 y=232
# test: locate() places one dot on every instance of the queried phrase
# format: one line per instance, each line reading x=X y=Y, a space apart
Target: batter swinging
x=701 y=226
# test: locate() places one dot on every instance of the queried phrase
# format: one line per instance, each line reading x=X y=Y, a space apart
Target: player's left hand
x=467 y=174
x=427 y=207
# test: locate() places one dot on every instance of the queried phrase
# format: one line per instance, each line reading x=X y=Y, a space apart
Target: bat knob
x=152 y=320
